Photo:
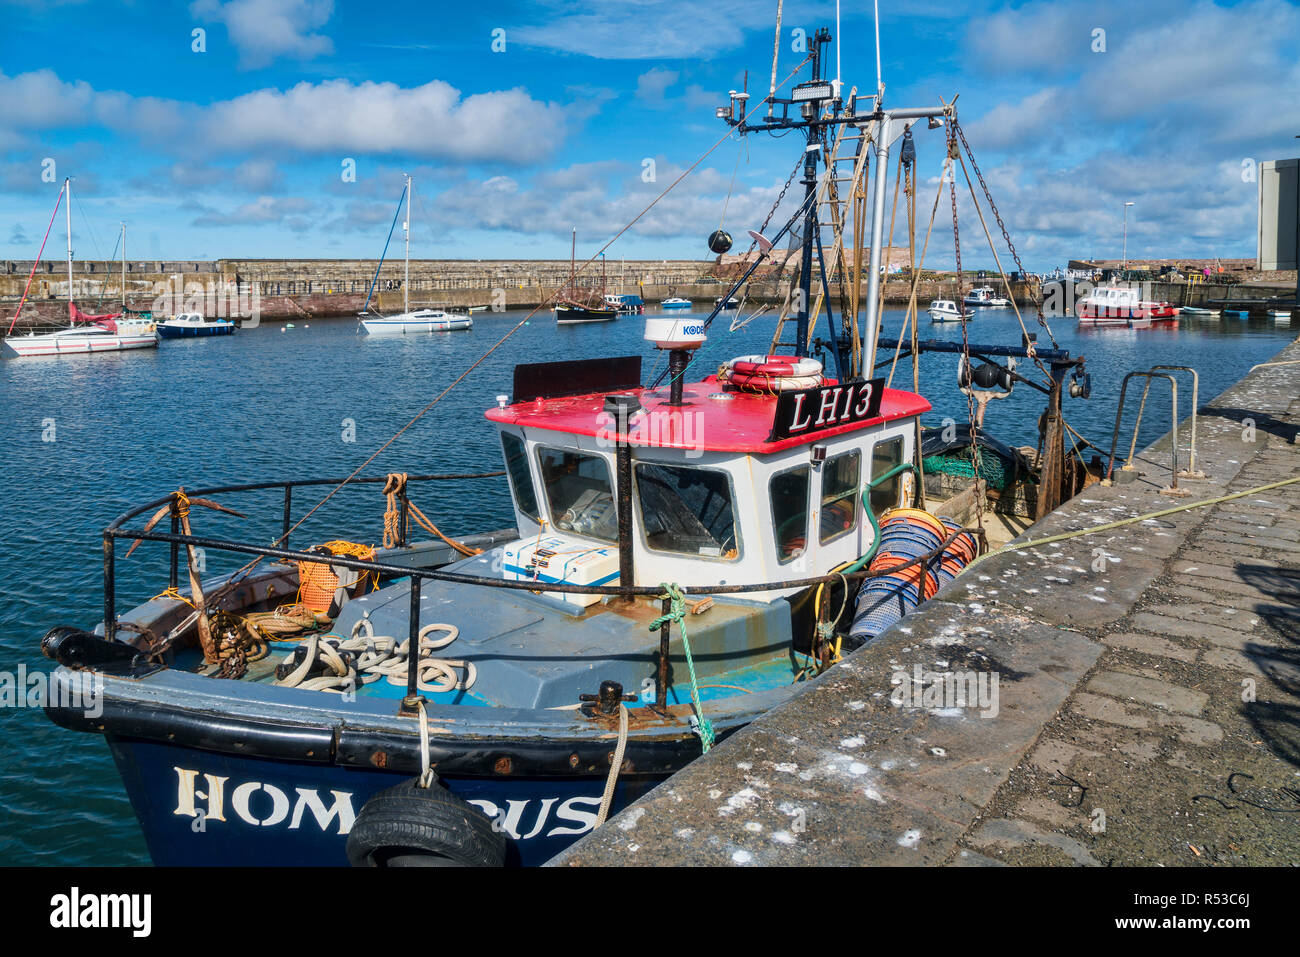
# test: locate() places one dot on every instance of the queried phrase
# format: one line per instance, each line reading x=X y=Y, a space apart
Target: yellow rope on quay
x=1063 y=536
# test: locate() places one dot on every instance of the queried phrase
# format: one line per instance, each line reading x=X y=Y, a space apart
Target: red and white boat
x=1122 y=306
x=85 y=333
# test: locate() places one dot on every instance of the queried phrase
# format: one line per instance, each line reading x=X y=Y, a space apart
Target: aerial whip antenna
x=776 y=49
x=879 y=82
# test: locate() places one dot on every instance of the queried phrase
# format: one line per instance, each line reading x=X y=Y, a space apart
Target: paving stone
x=1009 y=833
x=1109 y=710
x=1161 y=694
x=1147 y=645
x=1055 y=756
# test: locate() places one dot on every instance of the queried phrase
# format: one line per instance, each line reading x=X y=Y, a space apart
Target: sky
x=284 y=128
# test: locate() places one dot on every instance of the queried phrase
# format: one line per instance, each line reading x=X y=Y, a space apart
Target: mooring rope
x=616 y=764
x=677 y=613
x=366 y=657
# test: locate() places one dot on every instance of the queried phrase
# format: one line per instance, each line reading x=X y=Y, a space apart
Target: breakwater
x=285 y=289
x=1122 y=696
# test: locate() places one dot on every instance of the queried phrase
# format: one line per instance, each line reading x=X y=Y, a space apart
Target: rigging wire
x=242 y=572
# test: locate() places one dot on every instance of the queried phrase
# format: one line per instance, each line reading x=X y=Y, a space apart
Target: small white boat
x=731 y=303
x=983 y=296
x=419 y=320
x=1199 y=311
x=676 y=302
x=85 y=333
x=113 y=336
x=945 y=310
x=1280 y=315
x=408 y=320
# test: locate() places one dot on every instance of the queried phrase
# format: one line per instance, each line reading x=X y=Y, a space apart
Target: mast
x=124 y=269
x=67 y=210
x=573 y=264
x=406 y=228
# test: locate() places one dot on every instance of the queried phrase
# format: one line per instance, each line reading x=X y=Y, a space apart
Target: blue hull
x=193 y=332
x=206 y=808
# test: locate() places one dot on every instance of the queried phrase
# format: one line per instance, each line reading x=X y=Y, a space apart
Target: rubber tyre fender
x=407 y=825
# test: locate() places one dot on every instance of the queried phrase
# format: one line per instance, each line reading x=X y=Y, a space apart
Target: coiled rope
x=340 y=665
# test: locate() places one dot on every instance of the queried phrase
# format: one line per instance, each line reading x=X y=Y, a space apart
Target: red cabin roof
x=740 y=422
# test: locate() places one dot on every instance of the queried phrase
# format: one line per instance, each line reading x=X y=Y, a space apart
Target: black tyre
x=410 y=826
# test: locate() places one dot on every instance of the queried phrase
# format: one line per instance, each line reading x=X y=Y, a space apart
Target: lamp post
x=1124 y=262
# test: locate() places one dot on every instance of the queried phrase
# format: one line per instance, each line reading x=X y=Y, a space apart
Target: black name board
x=552 y=380
x=810 y=411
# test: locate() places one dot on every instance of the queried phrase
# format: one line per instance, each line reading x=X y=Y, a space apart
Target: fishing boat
x=408 y=321
x=576 y=304
x=686 y=550
x=731 y=302
x=984 y=296
x=945 y=310
x=675 y=302
x=85 y=333
x=188 y=325
x=1122 y=306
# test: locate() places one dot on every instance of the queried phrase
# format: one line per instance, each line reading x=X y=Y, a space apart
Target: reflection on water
x=316 y=400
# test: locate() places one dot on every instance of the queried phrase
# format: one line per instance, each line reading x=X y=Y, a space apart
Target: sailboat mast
x=67 y=211
x=124 y=269
x=573 y=264
x=406 y=227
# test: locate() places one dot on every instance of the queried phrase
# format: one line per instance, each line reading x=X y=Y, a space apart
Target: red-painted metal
x=711 y=420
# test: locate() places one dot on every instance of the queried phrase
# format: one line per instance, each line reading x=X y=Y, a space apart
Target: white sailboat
x=408 y=321
x=85 y=333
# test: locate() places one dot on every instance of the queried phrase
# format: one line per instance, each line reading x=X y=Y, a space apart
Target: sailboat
x=110 y=332
x=419 y=320
x=574 y=305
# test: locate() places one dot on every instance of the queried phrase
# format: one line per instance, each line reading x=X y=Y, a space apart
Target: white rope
x=379 y=656
x=426 y=767
x=608 y=798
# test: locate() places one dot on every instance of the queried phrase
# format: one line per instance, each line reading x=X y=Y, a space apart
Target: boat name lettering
x=824 y=407
x=340 y=813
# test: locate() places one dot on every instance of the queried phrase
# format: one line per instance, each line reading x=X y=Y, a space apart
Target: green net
x=958 y=462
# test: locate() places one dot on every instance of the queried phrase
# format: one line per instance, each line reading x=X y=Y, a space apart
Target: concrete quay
x=1147 y=708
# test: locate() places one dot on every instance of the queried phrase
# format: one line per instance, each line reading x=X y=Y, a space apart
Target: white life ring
x=766 y=373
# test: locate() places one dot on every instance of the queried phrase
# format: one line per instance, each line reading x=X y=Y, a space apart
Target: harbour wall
x=1145 y=679
x=289 y=288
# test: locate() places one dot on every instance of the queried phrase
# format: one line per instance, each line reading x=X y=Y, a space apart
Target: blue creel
x=908 y=546
x=911 y=531
x=881 y=602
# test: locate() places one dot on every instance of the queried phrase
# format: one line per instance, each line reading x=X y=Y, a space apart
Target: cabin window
x=521 y=478
x=579 y=493
x=885 y=456
x=789 y=492
x=687 y=510
x=839 y=511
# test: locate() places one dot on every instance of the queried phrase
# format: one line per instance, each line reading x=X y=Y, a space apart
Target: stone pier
x=1147 y=709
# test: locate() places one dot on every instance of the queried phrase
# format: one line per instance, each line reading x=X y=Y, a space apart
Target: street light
x=1124 y=262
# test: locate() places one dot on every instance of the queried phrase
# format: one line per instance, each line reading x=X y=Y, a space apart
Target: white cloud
x=653 y=84
x=262 y=30
x=646 y=30
x=334 y=116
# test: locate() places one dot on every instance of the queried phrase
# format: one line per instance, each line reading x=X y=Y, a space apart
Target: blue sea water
x=86 y=437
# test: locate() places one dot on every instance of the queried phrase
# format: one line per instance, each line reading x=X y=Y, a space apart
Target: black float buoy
x=719 y=241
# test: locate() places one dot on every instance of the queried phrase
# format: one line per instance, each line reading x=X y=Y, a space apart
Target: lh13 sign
x=808 y=411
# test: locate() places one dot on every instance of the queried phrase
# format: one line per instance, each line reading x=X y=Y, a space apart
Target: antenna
x=879 y=82
x=837 y=48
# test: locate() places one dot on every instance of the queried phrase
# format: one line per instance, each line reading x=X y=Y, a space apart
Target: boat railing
x=280 y=551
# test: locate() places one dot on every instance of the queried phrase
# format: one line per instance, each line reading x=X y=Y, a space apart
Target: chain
x=1006 y=235
x=954 y=154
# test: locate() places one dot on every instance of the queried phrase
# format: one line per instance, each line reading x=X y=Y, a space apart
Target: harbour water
x=87 y=437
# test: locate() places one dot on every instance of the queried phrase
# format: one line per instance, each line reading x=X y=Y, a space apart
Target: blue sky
x=238 y=150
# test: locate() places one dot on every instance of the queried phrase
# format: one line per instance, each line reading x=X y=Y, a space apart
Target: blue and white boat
x=685 y=552
x=675 y=302
x=188 y=325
